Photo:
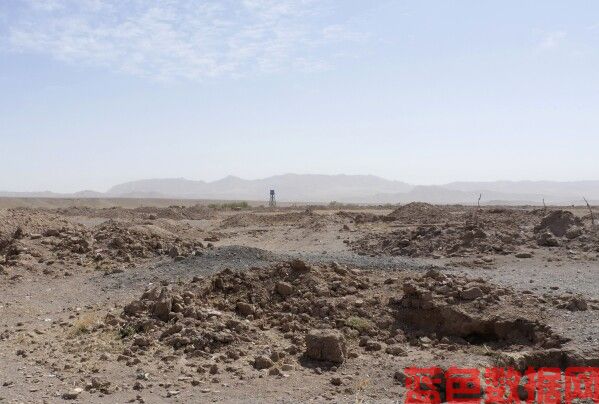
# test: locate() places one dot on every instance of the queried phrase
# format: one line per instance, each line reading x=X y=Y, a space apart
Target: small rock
x=373 y=346
x=263 y=362
x=73 y=394
x=326 y=345
x=573 y=233
x=546 y=239
x=245 y=309
x=275 y=372
x=400 y=376
x=471 y=293
x=299 y=266
x=395 y=350
x=164 y=305
x=283 y=288
x=173 y=252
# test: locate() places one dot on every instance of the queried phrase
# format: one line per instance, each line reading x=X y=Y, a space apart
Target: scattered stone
x=546 y=239
x=336 y=381
x=399 y=376
x=275 y=372
x=173 y=252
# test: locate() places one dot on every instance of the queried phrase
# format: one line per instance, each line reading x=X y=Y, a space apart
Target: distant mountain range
x=344 y=188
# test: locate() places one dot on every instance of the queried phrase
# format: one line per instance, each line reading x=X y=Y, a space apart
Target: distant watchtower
x=272 y=203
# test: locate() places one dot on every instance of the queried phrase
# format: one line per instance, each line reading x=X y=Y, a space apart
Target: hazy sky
x=93 y=93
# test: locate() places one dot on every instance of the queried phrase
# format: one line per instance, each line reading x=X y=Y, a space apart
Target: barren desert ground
x=154 y=303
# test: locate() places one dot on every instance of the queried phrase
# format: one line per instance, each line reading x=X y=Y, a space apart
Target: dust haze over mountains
x=345 y=188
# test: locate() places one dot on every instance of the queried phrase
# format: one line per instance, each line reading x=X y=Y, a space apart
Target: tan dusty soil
x=194 y=304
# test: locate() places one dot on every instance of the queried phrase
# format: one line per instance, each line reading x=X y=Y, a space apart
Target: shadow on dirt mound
x=474 y=311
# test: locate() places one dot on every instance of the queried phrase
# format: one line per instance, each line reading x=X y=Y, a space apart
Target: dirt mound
x=473 y=310
x=472 y=233
x=196 y=212
x=46 y=242
x=324 y=314
x=121 y=242
x=231 y=309
x=470 y=238
x=558 y=222
x=362 y=217
x=419 y=211
x=304 y=219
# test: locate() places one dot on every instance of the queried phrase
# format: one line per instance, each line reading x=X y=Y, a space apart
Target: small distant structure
x=272 y=203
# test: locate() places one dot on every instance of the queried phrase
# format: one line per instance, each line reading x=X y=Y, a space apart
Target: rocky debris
x=445 y=238
x=326 y=345
x=329 y=317
x=305 y=220
x=419 y=211
x=173 y=212
x=313 y=311
x=558 y=222
x=361 y=217
x=95 y=384
x=471 y=293
x=422 y=230
x=574 y=232
x=547 y=358
x=546 y=239
x=163 y=305
x=569 y=302
x=44 y=240
x=396 y=350
x=473 y=310
x=245 y=309
x=173 y=252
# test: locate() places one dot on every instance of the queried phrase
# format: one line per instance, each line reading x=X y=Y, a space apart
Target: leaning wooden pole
x=590 y=210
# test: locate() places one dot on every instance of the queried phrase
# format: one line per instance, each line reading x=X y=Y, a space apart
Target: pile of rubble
x=310 y=307
x=420 y=212
x=306 y=219
x=174 y=212
x=46 y=242
x=475 y=311
x=297 y=312
x=487 y=231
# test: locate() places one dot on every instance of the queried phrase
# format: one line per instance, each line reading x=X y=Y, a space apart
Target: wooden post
x=591 y=211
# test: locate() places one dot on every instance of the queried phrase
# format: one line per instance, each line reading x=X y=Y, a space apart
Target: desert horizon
x=320 y=188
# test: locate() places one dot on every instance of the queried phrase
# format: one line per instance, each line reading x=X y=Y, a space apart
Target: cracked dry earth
x=202 y=305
